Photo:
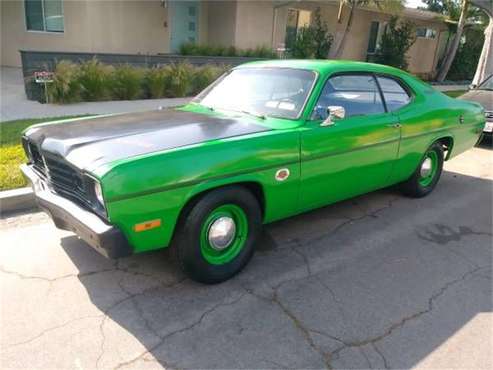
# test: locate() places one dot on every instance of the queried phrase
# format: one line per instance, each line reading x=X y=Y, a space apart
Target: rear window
x=394 y=94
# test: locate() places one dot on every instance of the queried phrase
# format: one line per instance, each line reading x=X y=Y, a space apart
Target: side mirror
x=334 y=113
x=472 y=86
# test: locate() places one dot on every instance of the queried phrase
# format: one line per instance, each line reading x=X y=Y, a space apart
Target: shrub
x=313 y=41
x=204 y=76
x=231 y=51
x=157 y=82
x=65 y=87
x=126 y=82
x=302 y=47
x=396 y=41
x=322 y=39
x=264 y=52
x=226 y=51
x=180 y=81
x=188 y=48
x=95 y=80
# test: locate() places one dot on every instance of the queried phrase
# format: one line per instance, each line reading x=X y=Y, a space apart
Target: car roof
x=324 y=66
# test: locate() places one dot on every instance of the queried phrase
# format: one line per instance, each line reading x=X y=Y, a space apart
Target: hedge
x=96 y=81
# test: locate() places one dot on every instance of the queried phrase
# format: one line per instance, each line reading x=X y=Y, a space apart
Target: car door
x=356 y=153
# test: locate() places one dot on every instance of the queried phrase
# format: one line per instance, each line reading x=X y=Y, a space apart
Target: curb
x=17 y=200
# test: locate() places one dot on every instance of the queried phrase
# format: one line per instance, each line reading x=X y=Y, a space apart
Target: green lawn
x=11 y=152
x=455 y=93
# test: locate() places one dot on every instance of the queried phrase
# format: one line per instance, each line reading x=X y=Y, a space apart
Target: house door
x=183 y=18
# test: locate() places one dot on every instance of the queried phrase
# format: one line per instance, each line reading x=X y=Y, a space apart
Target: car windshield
x=486 y=84
x=276 y=92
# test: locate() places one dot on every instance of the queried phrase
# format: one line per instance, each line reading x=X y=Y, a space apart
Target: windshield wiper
x=261 y=116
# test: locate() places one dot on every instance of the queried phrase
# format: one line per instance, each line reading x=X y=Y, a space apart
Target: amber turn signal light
x=147 y=225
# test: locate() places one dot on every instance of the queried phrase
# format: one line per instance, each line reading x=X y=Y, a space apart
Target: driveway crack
x=403 y=321
x=182 y=330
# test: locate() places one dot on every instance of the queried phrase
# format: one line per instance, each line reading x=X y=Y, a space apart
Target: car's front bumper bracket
x=105 y=238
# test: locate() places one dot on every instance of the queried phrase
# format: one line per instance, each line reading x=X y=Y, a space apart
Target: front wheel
x=215 y=239
x=426 y=176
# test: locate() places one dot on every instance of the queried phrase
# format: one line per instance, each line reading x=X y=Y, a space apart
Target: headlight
x=98 y=191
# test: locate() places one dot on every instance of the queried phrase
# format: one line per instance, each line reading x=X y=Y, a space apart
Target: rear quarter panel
x=430 y=117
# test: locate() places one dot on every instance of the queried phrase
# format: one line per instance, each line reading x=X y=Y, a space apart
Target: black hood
x=483 y=97
x=89 y=143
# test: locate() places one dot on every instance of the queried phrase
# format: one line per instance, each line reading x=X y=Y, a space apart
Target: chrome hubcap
x=221 y=233
x=426 y=167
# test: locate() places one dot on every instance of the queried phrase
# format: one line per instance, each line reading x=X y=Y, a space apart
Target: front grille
x=66 y=180
x=63 y=178
x=36 y=158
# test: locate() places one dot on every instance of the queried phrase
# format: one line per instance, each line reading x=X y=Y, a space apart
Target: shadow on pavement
x=375 y=281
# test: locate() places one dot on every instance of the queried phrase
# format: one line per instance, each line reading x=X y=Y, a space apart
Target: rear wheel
x=215 y=240
x=426 y=176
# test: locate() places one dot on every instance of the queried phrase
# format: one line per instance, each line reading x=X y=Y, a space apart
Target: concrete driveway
x=380 y=281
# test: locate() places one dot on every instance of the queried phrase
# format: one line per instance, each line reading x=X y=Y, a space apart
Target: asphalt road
x=380 y=281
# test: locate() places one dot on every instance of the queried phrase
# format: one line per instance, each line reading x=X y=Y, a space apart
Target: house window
x=296 y=19
x=427 y=33
x=376 y=31
x=44 y=15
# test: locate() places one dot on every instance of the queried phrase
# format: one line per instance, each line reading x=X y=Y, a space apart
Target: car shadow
x=486 y=142
x=369 y=282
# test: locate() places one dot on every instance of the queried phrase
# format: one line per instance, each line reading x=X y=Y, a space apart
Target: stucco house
x=161 y=26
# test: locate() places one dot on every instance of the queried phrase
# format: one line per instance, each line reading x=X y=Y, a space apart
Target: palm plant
x=392 y=6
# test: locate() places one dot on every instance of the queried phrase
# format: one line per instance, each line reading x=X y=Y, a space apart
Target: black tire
x=414 y=186
x=187 y=242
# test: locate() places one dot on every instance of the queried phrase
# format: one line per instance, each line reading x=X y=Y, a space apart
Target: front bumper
x=106 y=239
x=488 y=127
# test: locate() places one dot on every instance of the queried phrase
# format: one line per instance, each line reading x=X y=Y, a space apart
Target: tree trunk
x=449 y=58
x=485 y=63
x=340 y=45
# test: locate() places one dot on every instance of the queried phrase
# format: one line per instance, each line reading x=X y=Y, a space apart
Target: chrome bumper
x=106 y=239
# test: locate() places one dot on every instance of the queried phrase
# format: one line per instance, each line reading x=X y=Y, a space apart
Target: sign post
x=44 y=77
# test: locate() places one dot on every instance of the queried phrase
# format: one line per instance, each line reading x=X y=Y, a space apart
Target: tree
x=466 y=59
x=449 y=8
x=387 y=5
x=450 y=55
x=313 y=41
x=322 y=39
x=396 y=41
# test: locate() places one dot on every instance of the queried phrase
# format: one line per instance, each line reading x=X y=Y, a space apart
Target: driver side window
x=358 y=94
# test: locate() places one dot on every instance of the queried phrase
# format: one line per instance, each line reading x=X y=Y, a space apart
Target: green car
x=266 y=141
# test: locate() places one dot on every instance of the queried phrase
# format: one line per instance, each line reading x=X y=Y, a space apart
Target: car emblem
x=282 y=174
